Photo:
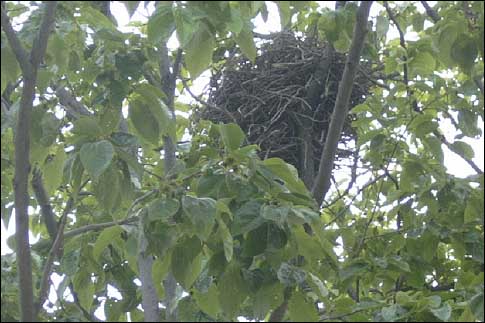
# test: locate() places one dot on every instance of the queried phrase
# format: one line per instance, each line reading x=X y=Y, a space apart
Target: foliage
x=407 y=245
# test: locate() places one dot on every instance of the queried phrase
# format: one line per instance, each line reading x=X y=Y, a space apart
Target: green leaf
x=285 y=13
x=267 y=297
x=56 y=53
x=106 y=237
x=51 y=171
x=464 y=51
x=301 y=214
x=201 y=212
x=255 y=242
x=186 y=261
x=44 y=78
x=209 y=301
x=84 y=287
x=443 y=313
x=233 y=290
x=300 y=310
x=10 y=67
x=319 y=285
x=162 y=209
x=463 y=149
x=287 y=173
x=433 y=144
x=95 y=19
x=278 y=214
x=410 y=174
x=161 y=24
x=132 y=163
x=231 y=135
x=342 y=45
x=422 y=64
x=245 y=41
x=199 y=51
x=131 y=6
x=226 y=238
x=96 y=157
x=107 y=189
x=186 y=26
x=160 y=270
x=467 y=121
x=87 y=126
x=355 y=268
x=476 y=305
x=474 y=209
x=382 y=26
x=144 y=121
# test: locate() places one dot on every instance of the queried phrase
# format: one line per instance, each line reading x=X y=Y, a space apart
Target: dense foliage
x=398 y=239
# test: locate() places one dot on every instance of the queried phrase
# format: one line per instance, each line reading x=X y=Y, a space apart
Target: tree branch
x=20 y=53
x=430 y=12
x=340 y=111
x=22 y=151
x=74 y=109
x=40 y=42
x=45 y=207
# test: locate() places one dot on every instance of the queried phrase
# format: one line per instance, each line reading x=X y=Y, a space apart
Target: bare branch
x=322 y=181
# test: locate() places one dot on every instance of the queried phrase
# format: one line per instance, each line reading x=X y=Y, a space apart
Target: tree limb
x=45 y=207
x=431 y=12
x=29 y=68
x=322 y=181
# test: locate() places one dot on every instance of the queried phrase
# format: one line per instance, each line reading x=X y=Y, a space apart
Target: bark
x=29 y=63
x=168 y=80
x=340 y=111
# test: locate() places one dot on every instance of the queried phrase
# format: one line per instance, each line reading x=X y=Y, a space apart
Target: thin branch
x=98 y=226
x=450 y=146
x=340 y=111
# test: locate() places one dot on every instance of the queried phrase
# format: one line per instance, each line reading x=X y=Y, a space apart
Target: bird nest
x=284 y=100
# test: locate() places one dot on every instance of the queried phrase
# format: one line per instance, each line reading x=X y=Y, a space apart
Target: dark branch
x=430 y=12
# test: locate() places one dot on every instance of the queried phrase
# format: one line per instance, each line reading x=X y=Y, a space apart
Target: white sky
x=455 y=165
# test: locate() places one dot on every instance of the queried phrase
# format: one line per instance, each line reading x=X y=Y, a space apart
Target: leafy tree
x=208 y=228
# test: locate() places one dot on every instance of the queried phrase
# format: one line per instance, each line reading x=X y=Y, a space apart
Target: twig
x=98 y=226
